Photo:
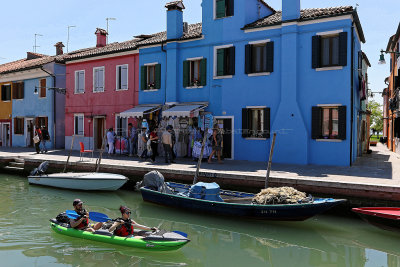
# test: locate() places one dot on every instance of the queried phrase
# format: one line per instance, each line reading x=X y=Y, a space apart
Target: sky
x=23 y=18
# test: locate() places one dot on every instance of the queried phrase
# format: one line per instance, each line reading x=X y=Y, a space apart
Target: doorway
x=98 y=131
x=5 y=134
x=29 y=132
x=225 y=124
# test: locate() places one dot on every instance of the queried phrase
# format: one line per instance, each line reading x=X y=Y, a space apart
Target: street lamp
x=382 y=56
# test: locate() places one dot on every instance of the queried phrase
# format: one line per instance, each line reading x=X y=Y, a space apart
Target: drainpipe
x=166 y=64
x=351 y=93
x=54 y=104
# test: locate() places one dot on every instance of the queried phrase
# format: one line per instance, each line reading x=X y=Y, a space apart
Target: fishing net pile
x=281 y=195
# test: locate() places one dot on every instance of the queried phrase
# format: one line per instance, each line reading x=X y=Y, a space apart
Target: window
x=194 y=72
x=6 y=92
x=329 y=122
x=98 y=79
x=150 y=77
x=259 y=58
x=121 y=125
x=18 y=90
x=79 y=82
x=256 y=122
x=42 y=85
x=329 y=50
x=225 y=61
x=18 y=125
x=78 y=124
x=224 y=8
x=122 y=77
x=42 y=121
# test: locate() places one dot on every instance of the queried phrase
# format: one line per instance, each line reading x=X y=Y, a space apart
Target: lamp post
x=107 y=19
x=382 y=56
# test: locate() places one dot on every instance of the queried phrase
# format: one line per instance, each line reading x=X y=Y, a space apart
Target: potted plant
x=151 y=85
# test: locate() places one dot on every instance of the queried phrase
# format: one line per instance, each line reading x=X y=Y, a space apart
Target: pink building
x=101 y=83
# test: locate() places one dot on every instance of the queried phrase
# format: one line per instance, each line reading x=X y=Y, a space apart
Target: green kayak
x=159 y=241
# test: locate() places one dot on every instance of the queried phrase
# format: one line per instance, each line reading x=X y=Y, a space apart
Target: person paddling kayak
x=82 y=223
x=124 y=226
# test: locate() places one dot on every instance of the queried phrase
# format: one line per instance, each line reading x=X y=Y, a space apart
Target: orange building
x=392 y=95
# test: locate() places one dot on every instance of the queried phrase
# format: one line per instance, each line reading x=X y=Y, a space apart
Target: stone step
x=17 y=164
x=19 y=160
x=10 y=168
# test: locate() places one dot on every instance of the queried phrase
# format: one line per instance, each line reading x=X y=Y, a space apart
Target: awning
x=139 y=110
x=184 y=110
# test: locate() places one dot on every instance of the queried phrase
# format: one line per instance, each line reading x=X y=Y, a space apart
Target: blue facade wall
x=290 y=91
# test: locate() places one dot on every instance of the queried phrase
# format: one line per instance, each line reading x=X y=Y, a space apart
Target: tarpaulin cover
x=206 y=191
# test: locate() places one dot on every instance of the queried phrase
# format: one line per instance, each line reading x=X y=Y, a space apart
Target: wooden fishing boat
x=386 y=218
x=238 y=204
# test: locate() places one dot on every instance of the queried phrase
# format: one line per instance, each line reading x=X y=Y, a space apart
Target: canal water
x=27 y=240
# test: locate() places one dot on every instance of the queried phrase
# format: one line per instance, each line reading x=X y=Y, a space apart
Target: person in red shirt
x=124 y=226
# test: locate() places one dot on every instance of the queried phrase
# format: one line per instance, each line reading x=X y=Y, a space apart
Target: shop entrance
x=98 y=131
x=29 y=132
x=5 y=135
x=225 y=124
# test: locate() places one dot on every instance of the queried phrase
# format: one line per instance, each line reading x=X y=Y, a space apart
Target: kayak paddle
x=181 y=233
x=98 y=217
x=72 y=214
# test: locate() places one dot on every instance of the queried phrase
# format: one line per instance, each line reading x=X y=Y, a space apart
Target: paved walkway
x=380 y=168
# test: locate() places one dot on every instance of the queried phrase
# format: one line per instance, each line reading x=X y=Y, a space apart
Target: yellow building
x=5 y=113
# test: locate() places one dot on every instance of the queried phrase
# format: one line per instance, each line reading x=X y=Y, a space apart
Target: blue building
x=38 y=97
x=260 y=71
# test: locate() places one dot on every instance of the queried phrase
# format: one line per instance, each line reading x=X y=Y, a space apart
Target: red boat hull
x=386 y=218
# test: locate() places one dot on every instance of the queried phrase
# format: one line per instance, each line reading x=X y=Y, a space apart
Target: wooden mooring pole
x=271 y=152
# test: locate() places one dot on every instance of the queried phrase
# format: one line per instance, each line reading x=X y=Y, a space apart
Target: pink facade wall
x=108 y=103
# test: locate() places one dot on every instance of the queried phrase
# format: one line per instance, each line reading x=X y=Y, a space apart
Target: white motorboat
x=77 y=180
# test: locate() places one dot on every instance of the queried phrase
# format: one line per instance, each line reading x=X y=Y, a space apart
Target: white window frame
x=117 y=117
x=94 y=79
x=190 y=71
x=6 y=101
x=83 y=123
x=257 y=108
x=259 y=42
x=117 y=79
x=329 y=106
x=147 y=74
x=77 y=83
x=215 y=62
x=23 y=127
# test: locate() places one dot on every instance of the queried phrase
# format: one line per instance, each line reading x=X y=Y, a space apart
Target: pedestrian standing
x=173 y=136
x=154 y=144
x=110 y=140
x=132 y=139
x=45 y=138
x=37 y=138
x=216 y=142
x=167 y=145
x=143 y=140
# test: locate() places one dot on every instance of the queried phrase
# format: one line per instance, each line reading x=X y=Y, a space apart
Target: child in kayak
x=82 y=223
x=124 y=226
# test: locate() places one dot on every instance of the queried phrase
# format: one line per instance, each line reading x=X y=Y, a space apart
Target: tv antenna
x=72 y=26
x=35 y=46
x=107 y=19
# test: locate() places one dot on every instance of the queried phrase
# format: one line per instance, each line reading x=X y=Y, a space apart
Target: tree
x=376 y=116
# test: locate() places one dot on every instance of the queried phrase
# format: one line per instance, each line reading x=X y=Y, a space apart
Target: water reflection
x=321 y=241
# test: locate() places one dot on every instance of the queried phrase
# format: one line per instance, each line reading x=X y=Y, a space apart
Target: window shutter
x=267 y=123
x=37 y=122
x=203 y=72
x=46 y=122
x=158 y=77
x=270 y=57
x=342 y=122
x=186 y=71
x=15 y=125
x=15 y=91
x=343 y=48
x=245 y=123
x=220 y=62
x=316 y=51
x=220 y=12
x=43 y=88
x=247 y=58
x=124 y=77
x=316 y=123
x=231 y=66
x=230 y=7
x=22 y=89
x=143 y=77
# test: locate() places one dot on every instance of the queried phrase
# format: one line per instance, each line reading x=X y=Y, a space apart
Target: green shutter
x=342 y=123
x=220 y=12
x=203 y=72
x=267 y=123
x=143 y=78
x=221 y=62
x=158 y=76
x=247 y=59
x=316 y=52
x=316 y=122
x=269 y=67
x=245 y=123
x=186 y=71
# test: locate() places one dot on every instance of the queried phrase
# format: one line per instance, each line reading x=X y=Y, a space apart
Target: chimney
x=101 y=37
x=174 y=19
x=290 y=10
x=59 y=48
x=32 y=55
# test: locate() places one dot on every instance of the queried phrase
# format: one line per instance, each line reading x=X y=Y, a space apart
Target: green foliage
x=376 y=116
